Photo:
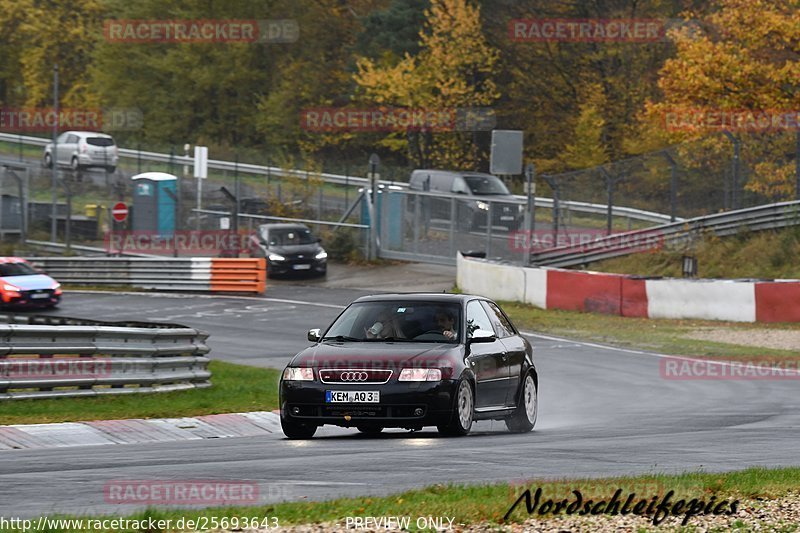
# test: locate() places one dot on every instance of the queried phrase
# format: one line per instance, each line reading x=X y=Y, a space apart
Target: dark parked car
x=289 y=248
x=409 y=361
x=477 y=194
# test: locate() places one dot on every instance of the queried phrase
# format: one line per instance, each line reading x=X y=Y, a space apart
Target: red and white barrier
x=615 y=294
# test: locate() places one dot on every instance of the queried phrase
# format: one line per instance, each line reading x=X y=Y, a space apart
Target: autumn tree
x=453 y=70
x=743 y=56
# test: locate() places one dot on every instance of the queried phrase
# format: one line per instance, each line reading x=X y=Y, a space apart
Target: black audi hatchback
x=410 y=361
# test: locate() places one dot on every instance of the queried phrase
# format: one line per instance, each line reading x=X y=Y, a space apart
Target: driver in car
x=445 y=321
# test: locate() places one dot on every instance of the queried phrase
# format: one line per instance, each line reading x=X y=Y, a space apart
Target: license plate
x=39 y=295
x=352 y=396
x=301 y=267
x=507 y=218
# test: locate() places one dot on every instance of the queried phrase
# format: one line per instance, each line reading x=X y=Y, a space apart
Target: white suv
x=83 y=149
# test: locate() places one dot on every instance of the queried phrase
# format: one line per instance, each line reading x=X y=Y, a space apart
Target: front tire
x=463 y=412
x=524 y=417
x=296 y=430
x=48 y=160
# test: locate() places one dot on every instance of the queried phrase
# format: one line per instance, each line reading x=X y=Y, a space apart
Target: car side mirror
x=314 y=335
x=482 y=335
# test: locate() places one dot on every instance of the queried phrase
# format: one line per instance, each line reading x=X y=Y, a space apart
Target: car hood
x=379 y=355
x=31 y=282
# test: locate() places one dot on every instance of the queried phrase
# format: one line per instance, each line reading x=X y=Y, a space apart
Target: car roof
x=89 y=134
x=284 y=225
x=439 y=297
x=12 y=259
x=453 y=173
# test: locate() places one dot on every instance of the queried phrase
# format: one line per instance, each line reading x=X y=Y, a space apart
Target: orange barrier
x=238 y=275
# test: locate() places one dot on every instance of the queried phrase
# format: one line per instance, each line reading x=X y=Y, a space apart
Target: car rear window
x=16 y=269
x=100 y=141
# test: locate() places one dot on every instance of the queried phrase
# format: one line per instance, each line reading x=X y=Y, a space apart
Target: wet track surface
x=603 y=411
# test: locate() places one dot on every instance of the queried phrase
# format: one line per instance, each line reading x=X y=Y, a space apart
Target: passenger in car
x=387 y=326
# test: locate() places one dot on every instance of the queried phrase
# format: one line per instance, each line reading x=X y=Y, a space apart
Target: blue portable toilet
x=154 y=204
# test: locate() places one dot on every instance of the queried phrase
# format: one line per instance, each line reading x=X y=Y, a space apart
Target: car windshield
x=398 y=321
x=288 y=236
x=16 y=269
x=486 y=185
x=100 y=141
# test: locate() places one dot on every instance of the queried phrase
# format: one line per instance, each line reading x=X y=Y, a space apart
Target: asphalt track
x=603 y=411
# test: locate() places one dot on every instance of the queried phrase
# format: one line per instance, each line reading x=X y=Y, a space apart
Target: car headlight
x=276 y=257
x=420 y=374
x=298 y=374
x=321 y=255
x=521 y=208
x=56 y=288
x=483 y=206
x=11 y=288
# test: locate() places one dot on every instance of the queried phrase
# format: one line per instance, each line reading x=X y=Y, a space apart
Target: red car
x=21 y=285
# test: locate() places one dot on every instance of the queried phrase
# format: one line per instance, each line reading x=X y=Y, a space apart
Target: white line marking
x=208 y=296
x=730 y=364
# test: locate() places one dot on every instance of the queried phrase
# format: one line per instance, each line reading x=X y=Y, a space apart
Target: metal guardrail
x=54 y=357
x=584 y=207
x=57 y=247
x=170 y=274
x=764 y=217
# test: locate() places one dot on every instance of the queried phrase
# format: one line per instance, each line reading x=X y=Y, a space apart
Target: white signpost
x=201 y=173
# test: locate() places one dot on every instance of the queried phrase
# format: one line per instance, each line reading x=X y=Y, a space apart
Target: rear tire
x=296 y=430
x=74 y=165
x=524 y=417
x=463 y=412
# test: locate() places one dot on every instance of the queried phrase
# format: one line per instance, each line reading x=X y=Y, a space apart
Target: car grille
x=354 y=376
x=358 y=411
x=43 y=295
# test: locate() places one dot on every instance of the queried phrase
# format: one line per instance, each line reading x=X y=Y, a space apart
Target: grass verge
x=658 y=335
x=235 y=388
x=487 y=504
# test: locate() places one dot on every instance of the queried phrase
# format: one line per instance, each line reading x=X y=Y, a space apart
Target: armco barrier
x=162 y=273
x=632 y=296
x=53 y=357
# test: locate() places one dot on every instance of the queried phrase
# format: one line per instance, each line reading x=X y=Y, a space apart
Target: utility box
x=154 y=203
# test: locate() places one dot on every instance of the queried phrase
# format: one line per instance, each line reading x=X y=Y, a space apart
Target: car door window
x=62 y=138
x=460 y=186
x=72 y=139
x=501 y=324
x=477 y=318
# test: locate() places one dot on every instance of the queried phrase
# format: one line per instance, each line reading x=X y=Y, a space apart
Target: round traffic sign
x=119 y=211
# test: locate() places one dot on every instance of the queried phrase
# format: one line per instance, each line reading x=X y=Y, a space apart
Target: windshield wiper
x=389 y=339
x=342 y=338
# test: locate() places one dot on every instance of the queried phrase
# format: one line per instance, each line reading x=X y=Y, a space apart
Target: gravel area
x=779 y=339
x=781 y=514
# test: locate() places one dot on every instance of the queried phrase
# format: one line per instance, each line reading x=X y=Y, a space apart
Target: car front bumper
x=297 y=266
x=402 y=404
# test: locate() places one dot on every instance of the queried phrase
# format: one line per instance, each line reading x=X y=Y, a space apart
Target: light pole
x=374 y=161
x=530 y=175
x=673 y=185
x=735 y=178
x=54 y=158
